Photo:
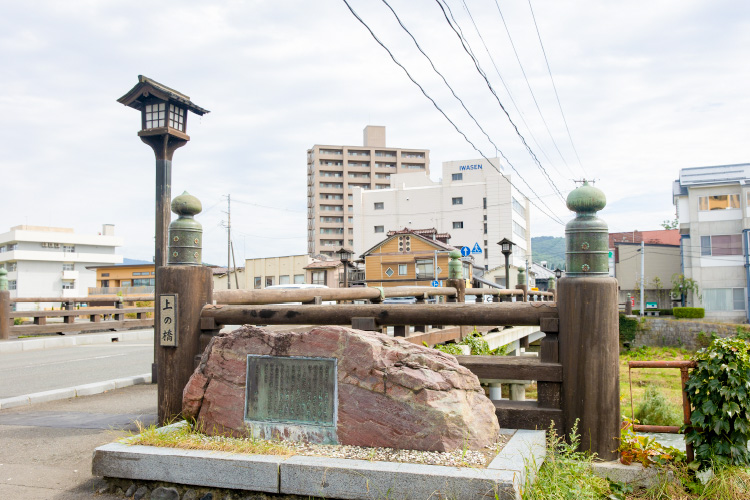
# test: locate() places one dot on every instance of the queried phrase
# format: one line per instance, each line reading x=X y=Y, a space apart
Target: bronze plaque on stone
x=288 y=395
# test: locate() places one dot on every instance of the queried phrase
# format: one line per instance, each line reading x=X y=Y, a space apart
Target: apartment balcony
x=70 y=275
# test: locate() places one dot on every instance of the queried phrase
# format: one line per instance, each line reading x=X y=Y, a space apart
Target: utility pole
x=643 y=274
x=229 y=239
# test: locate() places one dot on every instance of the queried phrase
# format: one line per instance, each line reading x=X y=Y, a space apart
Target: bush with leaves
x=718 y=390
x=688 y=312
x=656 y=410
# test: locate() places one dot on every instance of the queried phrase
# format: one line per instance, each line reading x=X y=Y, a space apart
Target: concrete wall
x=275 y=267
x=666 y=332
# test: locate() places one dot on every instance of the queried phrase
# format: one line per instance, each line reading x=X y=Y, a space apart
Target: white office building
x=472 y=202
x=52 y=261
x=713 y=210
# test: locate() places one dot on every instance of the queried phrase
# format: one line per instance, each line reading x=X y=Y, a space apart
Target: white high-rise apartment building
x=334 y=171
x=52 y=261
x=473 y=203
x=713 y=210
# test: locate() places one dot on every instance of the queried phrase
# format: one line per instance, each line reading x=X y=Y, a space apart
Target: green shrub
x=454 y=349
x=689 y=312
x=656 y=410
x=628 y=328
x=718 y=390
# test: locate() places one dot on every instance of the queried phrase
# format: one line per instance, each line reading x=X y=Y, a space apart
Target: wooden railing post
x=192 y=285
x=589 y=336
x=4 y=314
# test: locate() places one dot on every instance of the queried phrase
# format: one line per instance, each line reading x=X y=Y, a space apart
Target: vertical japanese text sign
x=168 y=320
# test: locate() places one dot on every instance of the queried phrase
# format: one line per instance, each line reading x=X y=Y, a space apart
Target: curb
x=72 y=392
x=21 y=345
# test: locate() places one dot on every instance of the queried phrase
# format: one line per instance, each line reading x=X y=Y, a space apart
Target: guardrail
x=102 y=313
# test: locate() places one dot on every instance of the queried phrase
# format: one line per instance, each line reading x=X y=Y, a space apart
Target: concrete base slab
x=633 y=474
x=326 y=477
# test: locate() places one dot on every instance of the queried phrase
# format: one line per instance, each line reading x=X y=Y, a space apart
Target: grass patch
x=664 y=381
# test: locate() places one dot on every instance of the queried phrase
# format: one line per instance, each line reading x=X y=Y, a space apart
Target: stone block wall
x=670 y=332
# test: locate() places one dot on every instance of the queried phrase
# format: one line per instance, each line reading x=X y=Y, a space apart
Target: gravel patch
x=457 y=458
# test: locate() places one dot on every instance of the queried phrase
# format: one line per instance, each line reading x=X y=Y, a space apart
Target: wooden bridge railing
x=97 y=310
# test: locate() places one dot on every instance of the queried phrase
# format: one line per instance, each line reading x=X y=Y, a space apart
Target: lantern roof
x=147 y=87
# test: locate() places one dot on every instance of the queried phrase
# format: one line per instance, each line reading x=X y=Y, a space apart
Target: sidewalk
x=57 y=341
x=47 y=448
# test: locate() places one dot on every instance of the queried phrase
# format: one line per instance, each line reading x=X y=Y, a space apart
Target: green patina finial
x=586 y=236
x=185 y=233
x=586 y=199
x=455 y=267
x=521 y=276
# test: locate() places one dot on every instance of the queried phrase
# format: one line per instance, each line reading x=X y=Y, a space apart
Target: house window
x=719 y=202
x=269 y=281
x=718 y=245
x=389 y=272
x=284 y=280
x=318 y=277
x=105 y=275
x=520 y=210
x=402 y=269
x=125 y=283
x=485 y=228
x=257 y=282
x=12 y=246
x=424 y=268
x=379 y=229
x=484 y=203
x=144 y=282
x=68 y=285
x=299 y=279
x=69 y=248
x=457 y=177
x=11 y=266
x=519 y=230
x=458 y=200
x=458 y=224
x=68 y=266
x=379 y=205
x=12 y=284
x=724 y=299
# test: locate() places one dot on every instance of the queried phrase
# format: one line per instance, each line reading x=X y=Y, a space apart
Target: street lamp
x=345 y=256
x=558 y=273
x=506 y=247
x=163 y=127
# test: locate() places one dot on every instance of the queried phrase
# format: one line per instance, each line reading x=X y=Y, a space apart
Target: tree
x=670 y=224
x=682 y=285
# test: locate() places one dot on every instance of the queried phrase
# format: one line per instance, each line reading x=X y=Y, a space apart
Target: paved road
x=36 y=371
x=47 y=448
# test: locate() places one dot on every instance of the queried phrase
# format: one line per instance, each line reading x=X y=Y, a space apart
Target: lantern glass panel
x=155 y=115
x=177 y=117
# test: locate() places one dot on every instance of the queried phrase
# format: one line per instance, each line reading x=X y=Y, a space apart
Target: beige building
x=661 y=262
x=333 y=172
x=269 y=271
x=472 y=202
x=713 y=209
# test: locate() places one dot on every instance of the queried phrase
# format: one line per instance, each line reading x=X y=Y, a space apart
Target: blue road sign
x=435 y=283
x=476 y=248
x=465 y=251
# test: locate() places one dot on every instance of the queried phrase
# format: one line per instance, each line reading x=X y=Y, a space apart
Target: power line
x=528 y=84
x=550 y=215
x=507 y=89
x=467 y=49
x=497 y=149
x=549 y=70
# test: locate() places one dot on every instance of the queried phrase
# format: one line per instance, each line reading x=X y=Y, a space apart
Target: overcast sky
x=647 y=88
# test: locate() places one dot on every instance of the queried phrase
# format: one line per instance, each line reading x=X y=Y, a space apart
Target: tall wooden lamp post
x=164 y=113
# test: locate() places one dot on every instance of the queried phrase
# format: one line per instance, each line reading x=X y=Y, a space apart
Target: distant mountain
x=549 y=248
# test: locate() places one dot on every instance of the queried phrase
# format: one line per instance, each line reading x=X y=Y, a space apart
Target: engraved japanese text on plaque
x=292 y=391
x=168 y=320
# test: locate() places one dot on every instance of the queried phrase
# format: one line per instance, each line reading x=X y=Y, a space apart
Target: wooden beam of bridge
x=495 y=314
